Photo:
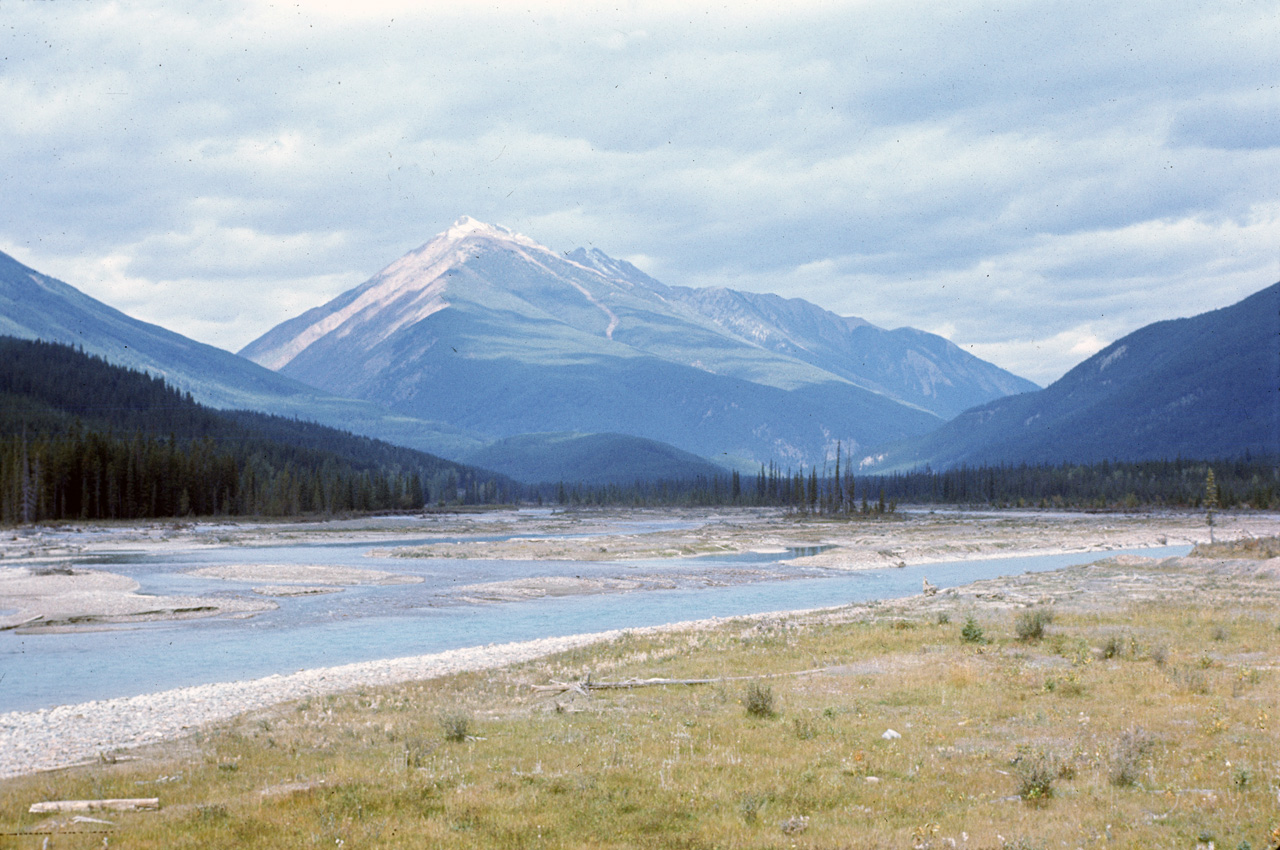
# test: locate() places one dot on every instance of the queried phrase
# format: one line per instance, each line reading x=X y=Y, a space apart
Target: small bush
x=1030 y=624
x=943 y=618
x=751 y=805
x=1126 y=757
x=1113 y=646
x=1220 y=633
x=456 y=726
x=806 y=730
x=972 y=632
x=1160 y=654
x=1036 y=770
x=1194 y=681
x=758 y=700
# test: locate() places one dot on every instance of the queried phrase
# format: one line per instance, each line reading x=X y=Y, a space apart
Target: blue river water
x=375 y=622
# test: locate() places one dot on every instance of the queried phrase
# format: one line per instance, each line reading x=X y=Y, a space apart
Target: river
x=365 y=623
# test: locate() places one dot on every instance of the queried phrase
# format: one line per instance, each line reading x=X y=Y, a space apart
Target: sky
x=1031 y=180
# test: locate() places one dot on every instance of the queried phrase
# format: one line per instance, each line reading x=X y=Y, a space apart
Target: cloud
x=1017 y=175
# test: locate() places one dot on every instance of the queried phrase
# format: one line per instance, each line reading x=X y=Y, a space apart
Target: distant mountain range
x=486 y=348
x=490 y=332
x=1204 y=387
x=591 y=459
x=36 y=306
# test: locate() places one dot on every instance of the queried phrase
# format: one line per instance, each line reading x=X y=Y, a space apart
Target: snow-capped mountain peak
x=467 y=227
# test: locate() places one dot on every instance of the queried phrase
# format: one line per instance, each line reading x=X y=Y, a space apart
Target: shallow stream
x=366 y=623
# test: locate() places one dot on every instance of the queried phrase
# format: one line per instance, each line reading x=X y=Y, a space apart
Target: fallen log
x=587 y=684
x=134 y=804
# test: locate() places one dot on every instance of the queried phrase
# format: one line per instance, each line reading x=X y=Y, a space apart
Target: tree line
x=1249 y=481
x=83 y=439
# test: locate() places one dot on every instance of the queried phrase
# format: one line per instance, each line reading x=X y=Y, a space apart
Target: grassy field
x=1124 y=704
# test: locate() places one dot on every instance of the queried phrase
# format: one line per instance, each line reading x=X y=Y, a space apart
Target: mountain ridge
x=479 y=309
x=36 y=306
x=1203 y=386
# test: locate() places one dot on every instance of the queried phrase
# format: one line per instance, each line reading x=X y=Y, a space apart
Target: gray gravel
x=32 y=741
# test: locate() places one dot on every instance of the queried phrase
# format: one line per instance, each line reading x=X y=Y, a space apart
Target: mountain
x=491 y=332
x=36 y=306
x=590 y=459
x=1203 y=387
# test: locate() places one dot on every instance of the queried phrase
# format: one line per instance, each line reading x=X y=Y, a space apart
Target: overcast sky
x=1031 y=180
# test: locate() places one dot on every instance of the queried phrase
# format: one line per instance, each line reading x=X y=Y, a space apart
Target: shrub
x=758 y=700
x=972 y=632
x=456 y=726
x=751 y=805
x=806 y=730
x=1126 y=756
x=1030 y=624
x=1036 y=770
x=1113 y=647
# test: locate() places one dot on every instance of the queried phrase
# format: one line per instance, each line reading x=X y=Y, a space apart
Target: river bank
x=46 y=585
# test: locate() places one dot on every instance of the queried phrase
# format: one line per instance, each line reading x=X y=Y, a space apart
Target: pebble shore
x=47 y=739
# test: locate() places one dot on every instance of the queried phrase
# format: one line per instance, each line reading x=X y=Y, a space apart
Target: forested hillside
x=80 y=438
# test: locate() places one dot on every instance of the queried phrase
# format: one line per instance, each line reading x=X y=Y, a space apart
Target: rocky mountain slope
x=486 y=330
x=1201 y=387
x=36 y=306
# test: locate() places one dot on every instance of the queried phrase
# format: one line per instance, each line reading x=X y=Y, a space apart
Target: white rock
x=890 y=735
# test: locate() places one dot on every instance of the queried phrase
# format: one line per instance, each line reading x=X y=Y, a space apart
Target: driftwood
x=135 y=804
x=585 y=685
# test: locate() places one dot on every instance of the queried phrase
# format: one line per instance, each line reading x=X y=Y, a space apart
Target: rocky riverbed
x=41 y=579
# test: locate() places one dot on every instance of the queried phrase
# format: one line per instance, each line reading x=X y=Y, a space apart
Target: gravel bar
x=52 y=738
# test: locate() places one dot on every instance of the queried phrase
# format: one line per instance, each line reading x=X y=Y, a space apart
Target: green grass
x=1121 y=745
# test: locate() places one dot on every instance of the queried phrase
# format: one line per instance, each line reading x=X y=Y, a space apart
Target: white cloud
x=1014 y=175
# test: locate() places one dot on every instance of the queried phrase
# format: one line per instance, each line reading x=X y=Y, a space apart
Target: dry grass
x=1006 y=743
x=1256 y=548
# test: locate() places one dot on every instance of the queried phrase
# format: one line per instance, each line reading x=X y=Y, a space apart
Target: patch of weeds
x=942 y=618
x=806 y=730
x=1159 y=654
x=1126 y=756
x=794 y=825
x=758 y=699
x=416 y=752
x=972 y=632
x=1219 y=633
x=1114 y=646
x=1067 y=685
x=455 y=726
x=1191 y=680
x=751 y=805
x=1036 y=771
x=1029 y=625
x=1242 y=777
x=1246 y=678
x=212 y=813
x=1021 y=844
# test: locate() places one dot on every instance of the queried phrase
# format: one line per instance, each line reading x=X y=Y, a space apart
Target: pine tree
x=1210 y=501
